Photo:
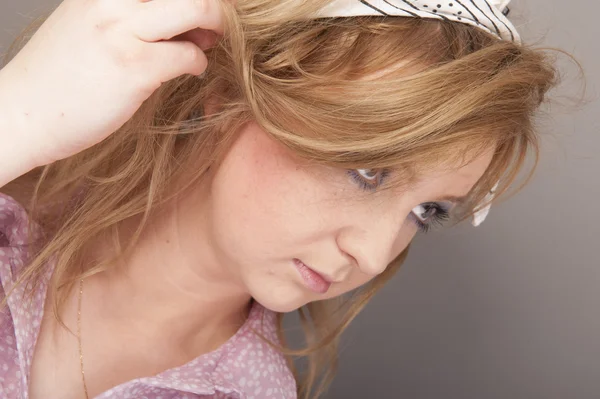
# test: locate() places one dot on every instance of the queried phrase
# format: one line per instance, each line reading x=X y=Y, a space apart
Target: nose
x=374 y=242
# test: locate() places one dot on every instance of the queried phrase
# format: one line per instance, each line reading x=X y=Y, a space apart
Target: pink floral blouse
x=245 y=367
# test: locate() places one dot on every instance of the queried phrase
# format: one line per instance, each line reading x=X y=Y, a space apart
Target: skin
x=185 y=289
x=316 y=214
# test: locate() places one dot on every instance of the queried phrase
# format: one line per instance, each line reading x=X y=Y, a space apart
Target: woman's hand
x=92 y=64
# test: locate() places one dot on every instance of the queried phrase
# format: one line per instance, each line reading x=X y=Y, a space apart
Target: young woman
x=178 y=174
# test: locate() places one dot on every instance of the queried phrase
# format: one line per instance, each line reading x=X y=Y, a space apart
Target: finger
x=164 y=19
x=170 y=59
x=204 y=39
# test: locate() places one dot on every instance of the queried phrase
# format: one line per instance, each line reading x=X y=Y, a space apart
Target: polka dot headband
x=488 y=15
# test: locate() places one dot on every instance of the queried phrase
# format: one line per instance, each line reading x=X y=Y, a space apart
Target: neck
x=172 y=284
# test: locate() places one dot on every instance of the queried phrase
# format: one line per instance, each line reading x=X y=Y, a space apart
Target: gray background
x=508 y=310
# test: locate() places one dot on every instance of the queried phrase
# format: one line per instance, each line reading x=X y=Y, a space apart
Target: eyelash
x=441 y=214
x=368 y=186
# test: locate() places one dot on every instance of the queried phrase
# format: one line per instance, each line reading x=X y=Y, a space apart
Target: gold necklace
x=79 y=338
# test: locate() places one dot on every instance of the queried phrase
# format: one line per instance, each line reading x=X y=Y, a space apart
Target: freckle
x=168 y=241
x=26 y=113
x=62 y=114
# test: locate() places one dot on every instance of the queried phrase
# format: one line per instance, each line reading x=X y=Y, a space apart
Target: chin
x=283 y=298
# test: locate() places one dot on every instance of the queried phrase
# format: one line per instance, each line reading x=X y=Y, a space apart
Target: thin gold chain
x=79 y=338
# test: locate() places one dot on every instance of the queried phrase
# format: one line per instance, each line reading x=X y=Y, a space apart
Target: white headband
x=480 y=215
x=487 y=15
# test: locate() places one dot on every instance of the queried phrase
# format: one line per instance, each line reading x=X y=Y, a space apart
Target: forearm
x=16 y=155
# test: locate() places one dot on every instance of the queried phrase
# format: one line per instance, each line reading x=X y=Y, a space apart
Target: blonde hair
x=349 y=92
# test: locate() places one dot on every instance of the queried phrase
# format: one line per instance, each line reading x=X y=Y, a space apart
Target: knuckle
x=128 y=56
x=203 y=6
x=191 y=53
x=105 y=16
x=196 y=59
x=104 y=9
x=198 y=9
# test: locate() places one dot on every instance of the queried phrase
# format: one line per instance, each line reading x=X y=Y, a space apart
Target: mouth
x=312 y=280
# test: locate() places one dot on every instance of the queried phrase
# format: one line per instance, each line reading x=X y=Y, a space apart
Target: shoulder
x=14 y=235
x=252 y=364
x=13 y=222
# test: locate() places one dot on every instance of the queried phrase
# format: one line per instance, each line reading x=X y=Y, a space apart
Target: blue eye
x=429 y=214
x=425 y=215
x=368 y=179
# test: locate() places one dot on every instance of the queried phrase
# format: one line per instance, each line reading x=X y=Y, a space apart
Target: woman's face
x=293 y=233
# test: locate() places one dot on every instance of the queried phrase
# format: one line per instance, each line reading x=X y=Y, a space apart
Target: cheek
x=407 y=234
x=358 y=279
x=261 y=198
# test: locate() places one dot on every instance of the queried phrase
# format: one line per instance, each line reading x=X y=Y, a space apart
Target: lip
x=312 y=280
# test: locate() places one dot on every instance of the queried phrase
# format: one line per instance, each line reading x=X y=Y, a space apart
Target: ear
x=211 y=105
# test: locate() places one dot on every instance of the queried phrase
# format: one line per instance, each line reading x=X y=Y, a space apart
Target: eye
x=369 y=174
x=429 y=214
x=368 y=179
